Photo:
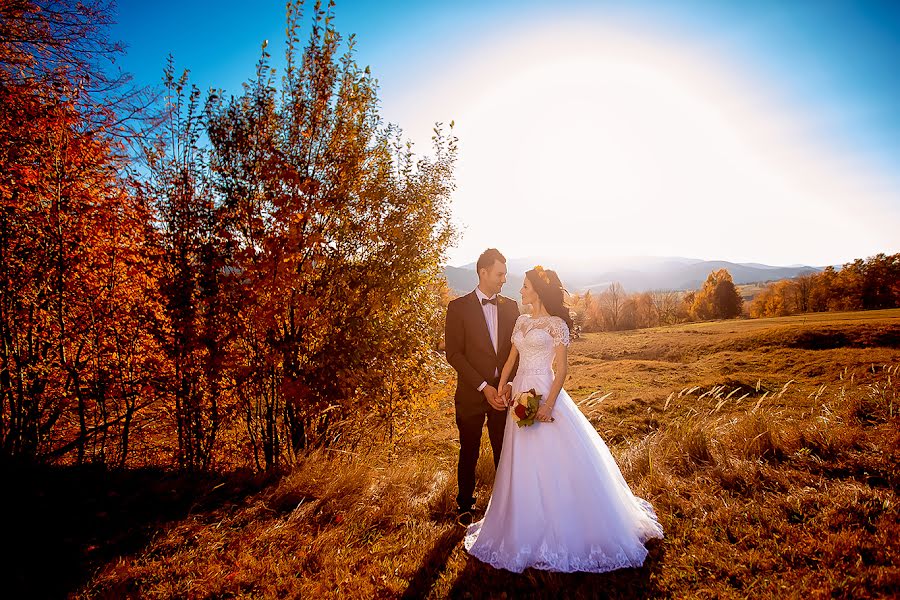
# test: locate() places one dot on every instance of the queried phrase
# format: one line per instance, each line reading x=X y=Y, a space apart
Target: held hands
x=505 y=394
x=494 y=399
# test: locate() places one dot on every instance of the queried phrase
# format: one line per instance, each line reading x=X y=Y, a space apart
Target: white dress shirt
x=490 y=317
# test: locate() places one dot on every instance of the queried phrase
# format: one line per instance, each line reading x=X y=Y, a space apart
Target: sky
x=764 y=131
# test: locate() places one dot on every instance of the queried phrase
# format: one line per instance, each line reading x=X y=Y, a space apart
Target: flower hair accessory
x=542 y=274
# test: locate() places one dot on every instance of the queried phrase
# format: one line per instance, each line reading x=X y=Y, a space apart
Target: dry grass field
x=769 y=448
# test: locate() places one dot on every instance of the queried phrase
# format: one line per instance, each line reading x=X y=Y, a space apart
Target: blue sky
x=824 y=75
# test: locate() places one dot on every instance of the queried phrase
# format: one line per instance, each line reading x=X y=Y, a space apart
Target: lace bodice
x=536 y=339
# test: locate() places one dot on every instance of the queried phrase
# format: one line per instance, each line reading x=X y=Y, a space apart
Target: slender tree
x=194 y=271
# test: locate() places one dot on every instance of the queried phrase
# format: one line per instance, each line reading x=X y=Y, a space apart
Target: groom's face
x=491 y=280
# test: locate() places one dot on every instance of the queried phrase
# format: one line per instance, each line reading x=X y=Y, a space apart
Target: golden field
x=769 y=448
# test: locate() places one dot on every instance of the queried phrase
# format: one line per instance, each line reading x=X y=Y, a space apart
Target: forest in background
x=207 y=281
x=870 y=284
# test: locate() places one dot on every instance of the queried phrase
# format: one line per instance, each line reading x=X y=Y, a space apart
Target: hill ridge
x=636 y=274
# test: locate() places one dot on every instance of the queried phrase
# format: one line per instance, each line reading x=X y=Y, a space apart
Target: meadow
x=769 y=448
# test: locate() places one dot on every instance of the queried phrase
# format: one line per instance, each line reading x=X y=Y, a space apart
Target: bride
x=560 y=502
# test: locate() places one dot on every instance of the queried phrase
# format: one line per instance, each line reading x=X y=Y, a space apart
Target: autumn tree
x=616 y=310
x=771 y=302
x=728 y=302
x=823 y=287
x=338 y=234
x=881 y=274
x=717 y=298
x=194 y=272
x=860 y=284
x=63 y=44
x=803 y=290
x=593 y=316
x=41 y=39
x=612 y=305
x=277 y=257
x=75 y=259
x=645 y=310
x=848 y=291
x=665 y=305
x=685 y=307
x=578 y=306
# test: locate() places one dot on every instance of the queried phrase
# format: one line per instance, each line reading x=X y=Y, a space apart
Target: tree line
x=862 y=284
x=202 y=280
x=613 y=309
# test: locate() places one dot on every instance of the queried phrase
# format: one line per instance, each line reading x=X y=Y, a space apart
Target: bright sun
x=631 y=148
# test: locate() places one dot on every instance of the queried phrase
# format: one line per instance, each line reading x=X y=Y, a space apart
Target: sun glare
x=629 y=147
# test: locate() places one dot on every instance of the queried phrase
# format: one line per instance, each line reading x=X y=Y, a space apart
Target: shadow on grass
x=480 y=580
x=62 y=523
x=423 y=579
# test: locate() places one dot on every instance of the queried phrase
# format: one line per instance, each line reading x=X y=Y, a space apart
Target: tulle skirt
x=560 y=502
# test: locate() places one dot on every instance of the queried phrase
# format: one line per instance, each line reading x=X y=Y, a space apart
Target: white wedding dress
x=560 y=502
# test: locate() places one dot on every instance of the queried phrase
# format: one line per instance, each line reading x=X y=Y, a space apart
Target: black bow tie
x=489 y=301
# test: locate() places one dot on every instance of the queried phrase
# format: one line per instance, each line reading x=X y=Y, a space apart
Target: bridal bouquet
x=525 y=407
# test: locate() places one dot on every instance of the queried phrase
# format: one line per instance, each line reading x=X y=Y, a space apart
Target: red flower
x=521 y=411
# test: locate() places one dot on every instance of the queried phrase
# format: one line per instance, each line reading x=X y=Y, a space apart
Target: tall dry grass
x=768 y=502
x=769 y=483
x=755 y=503
x=334 y=526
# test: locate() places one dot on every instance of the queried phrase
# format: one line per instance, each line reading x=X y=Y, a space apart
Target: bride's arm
x=560 y=369
x=508 y=367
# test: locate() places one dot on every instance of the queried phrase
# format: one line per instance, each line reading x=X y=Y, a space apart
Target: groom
x=477 y=338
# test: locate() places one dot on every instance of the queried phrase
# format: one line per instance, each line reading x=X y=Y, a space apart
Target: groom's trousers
x=470 y=428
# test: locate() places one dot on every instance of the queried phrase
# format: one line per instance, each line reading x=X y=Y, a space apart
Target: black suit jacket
x=470 y=350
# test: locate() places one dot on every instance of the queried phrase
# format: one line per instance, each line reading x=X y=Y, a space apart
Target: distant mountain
x=460 y=279
x=463 y=280
x=636 y=274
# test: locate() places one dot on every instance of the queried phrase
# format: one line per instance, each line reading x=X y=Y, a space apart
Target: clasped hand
x=499 y=399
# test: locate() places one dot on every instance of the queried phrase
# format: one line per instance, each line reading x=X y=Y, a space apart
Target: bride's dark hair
x=551 y=292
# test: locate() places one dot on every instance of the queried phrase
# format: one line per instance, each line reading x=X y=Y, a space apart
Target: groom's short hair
x=488 y=258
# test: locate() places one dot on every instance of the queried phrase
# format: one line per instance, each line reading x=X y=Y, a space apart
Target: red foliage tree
x=75 y=274
x=75 y=264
